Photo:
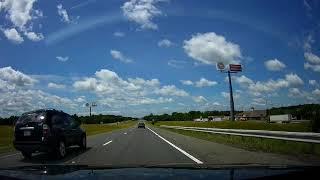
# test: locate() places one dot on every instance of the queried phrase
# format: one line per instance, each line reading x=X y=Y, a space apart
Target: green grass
x=6 y=132
x=257 y=144
x=6 y=135
x=297 y=127
x=93 y=129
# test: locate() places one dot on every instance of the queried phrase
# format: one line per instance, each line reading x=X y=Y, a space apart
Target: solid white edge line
x=179 y=149
x=107 y=143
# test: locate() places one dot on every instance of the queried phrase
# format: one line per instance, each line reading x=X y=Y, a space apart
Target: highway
x=153 y=146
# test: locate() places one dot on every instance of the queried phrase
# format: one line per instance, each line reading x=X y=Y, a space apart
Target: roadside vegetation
x=94 y=119
x=304 y=112
x=294 y=127
x=93 y=129
x=251 y=143
x=6 y=137
x=6 y=132
x=298 y=149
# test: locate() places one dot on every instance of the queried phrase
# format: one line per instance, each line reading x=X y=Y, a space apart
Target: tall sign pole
x=91 y=105
x=233 y=68
x=231 y=98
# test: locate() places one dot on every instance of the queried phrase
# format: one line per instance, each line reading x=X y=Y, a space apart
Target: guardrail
x=280 y=135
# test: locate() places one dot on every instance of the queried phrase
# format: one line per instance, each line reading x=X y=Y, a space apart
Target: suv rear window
x=32 y=117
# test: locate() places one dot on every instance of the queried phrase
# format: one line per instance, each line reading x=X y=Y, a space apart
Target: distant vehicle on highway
x=47 y=131
x=141 y=125
x=284 y=118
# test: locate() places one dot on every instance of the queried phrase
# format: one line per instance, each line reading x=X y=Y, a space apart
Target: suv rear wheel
x=26 y=155
x=61 y=150
x=83 y=143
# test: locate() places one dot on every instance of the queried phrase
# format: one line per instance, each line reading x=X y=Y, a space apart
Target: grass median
x=251 y=143
x=93 y=129
x=297 y=127
x=6 y=132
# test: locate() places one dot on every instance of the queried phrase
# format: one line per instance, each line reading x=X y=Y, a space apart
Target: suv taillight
x=45 y=130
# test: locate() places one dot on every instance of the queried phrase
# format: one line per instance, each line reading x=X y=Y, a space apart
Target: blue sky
x=137 y=57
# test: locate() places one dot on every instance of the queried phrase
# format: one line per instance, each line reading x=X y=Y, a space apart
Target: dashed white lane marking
x=9 y=155
x=179 y=149
x=107 y=143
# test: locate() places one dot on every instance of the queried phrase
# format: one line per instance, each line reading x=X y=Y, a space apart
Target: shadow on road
x=46 y=158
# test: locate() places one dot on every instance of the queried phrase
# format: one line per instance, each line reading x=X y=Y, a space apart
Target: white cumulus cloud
x=293 y=79
x=295 y=92
x=112 y=90
x=18 y=94
x=313 y=67
x=243 y=80
x=227 y=95
x=313 y=61
x=171 y=90
x=259 y=87
x=63 y=13
x=14 y=77
x=89 y=84
x=216 y=104
x=56 y=86
x=312 y=58
x=13 y=35
x=119 y=56
x=274 y=65
x=33 y=36
x=186 y=82
x=62 y=59
x=21 y=13
x=142 y=12
x=165 y=43
x=203 y=82
x=210 y=48
x=80 y=99
x=316 y=92
x=199 y=99
x=313 y=82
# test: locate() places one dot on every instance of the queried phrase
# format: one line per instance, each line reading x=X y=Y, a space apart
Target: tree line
x=97 y=119
x=94 y=119
x=306 y=112
x=187 y=116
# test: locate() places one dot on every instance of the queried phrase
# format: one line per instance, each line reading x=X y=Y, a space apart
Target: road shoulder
x=215 y=153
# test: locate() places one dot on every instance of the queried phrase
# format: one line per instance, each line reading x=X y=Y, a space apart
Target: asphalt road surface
x=153 y=146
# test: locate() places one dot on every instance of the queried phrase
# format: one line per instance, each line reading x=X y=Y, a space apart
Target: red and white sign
x=235 y=67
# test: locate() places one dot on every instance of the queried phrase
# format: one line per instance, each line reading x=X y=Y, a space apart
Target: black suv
x=47 y=131
x=141 y=125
